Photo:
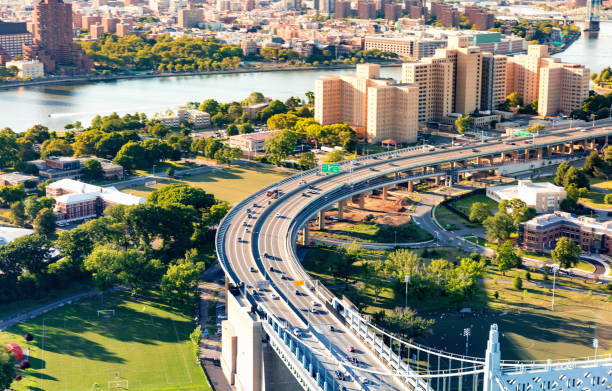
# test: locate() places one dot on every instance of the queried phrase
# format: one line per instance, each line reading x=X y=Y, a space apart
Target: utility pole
x=595 y=345
x=407 y=280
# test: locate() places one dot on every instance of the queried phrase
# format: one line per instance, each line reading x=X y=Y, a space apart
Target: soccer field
x=143 y=346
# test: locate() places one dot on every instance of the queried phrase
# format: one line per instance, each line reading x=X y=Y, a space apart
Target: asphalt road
x=270 y=232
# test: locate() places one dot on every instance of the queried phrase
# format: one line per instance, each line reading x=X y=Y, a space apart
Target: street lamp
x=466 y=333
x=595 y=345
x=555 y=269
x=407 y=280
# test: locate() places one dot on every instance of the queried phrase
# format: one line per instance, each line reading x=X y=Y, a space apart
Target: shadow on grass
x=42 y=376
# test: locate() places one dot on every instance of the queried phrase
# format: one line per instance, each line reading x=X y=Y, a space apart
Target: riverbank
x=97 y=78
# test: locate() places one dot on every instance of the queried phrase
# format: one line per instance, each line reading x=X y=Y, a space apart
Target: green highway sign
x=522 y=133
x=330 y=168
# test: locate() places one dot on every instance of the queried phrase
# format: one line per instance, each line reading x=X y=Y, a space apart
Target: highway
x=258 y=241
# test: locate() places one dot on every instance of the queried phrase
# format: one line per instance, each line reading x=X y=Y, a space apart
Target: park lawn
x=449 y=220
x=379 y=233
x=585 y=266
x=146 y=343
x=600 y=182
x=464 y=204
x=476 y=240
x=595 y=199
x=161 y=167
x=231 y=184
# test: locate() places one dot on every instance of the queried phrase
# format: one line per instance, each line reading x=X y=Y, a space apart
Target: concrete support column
x=527 y=154
x=410 y=186
x=515 y=156
x=361 y=201
x=540 y=153
x=437 y=181
x=321 y=220
x=306 y=235
x=479 y=160
x=385 y=192
x=341 y=209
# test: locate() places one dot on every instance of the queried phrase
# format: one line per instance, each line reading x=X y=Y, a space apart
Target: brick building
x=52 y=43
x=13 y=36
x=540 y=234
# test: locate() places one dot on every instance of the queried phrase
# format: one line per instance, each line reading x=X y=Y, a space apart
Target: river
x=56 y=105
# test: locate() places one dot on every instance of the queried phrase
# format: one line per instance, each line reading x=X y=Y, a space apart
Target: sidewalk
x=212 y=292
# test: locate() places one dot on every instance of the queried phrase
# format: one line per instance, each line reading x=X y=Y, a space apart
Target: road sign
x=522 y=133
x=298 y=283
x=330 y=168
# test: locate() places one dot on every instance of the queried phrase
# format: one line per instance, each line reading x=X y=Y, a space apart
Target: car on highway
x=239 y=239
x=313 y=310
x=278 y=214
x=351 y=349
x=252 y=269
x=314 y=304
x=274 y=296
x=363 y=380
x=297 y=292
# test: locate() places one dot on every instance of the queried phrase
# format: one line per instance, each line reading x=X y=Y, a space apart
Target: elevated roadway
x=256 y=244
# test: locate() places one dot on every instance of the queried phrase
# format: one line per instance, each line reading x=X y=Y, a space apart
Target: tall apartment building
x=343 y=8
x=493 y=81
x=562 y=87
x=434 y=77
x=393 y=11
x=450 y=81
x=52 y=44
x=248 y=5
x=559 y=87
x=327 y=7
x=190 y=17
x=89 y=20
x=376 y=108
x=479 y=17
x=12 y=38
x=110 y=24
x=524 y=72
x=366 y=9
x=446 y=14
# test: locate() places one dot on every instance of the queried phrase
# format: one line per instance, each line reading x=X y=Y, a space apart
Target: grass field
x=595 y=199
x=450 y=220
x=464 y=204
x=145 y=343
x=378 y=233
x=529 y=329
x=231 y=184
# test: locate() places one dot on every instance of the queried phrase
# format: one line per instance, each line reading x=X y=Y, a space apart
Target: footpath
x=212 y=293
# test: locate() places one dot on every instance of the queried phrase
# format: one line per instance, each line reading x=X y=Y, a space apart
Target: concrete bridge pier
x=385 y=192
x=341 y=206
x=321 y=220
x=306 y=235
x=410 y=186
x=247 y=359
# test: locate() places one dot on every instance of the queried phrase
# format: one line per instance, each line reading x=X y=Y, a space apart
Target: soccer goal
x=118 y=384
x=106 y=313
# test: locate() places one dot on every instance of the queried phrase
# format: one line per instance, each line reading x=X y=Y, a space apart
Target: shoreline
x=86 y=79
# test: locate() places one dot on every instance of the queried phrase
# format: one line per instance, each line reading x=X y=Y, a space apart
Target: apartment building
x=58 y=167
x=559 y=87
x=343 y=9
x=446 y=14
x=434 y=77
x=393 y=11
x=366 y=9
x=543 y=197
x=199 y=119
x=479 y=17
x=376 y=108
x=562 y=87
x=13 y=36
x=523 y=72
x=540 y=234
x=493 y=81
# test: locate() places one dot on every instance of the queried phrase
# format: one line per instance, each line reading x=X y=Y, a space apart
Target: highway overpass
x=285 y=331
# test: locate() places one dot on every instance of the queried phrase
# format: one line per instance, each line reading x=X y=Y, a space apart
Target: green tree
x=56 y=147
x=464 y=123
x=8 y=369
x=131 y=156
x=514 y=99
x=231 y=130
x=310 y=96
x=245 y=128
x=518 y=210
x=560 y=174
x=517 y=283
x=335 y=156
x=253 y=99
x=479 y=211
x=566 y=252
x=18 y=216
x=37 y=134
x=577 y=177
x=507 y=258
x=499 y=227
x=210 y=106
x=44 y=222
x=92 y=169
x=8 y=148
x=281 y=145
x=110 y=266
x=180 y=281
x=608 y=199
x=180 y=193
x=536 y=128
x=307 y=161
x=594 y=165
x=10 y=194
x=282 y=121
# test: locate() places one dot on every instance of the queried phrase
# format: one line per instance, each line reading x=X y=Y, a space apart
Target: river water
x=56 y=105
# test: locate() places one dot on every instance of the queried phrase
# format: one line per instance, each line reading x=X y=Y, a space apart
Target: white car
x=277 y=214
x=274 y=296
x=314 y=303
x=313 y=310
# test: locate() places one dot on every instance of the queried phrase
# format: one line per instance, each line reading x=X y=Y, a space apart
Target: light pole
x=595 y=345
x=407 y=280
x=466 y=333
x=154 y=170
x=555 y=270
x=593 y=116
